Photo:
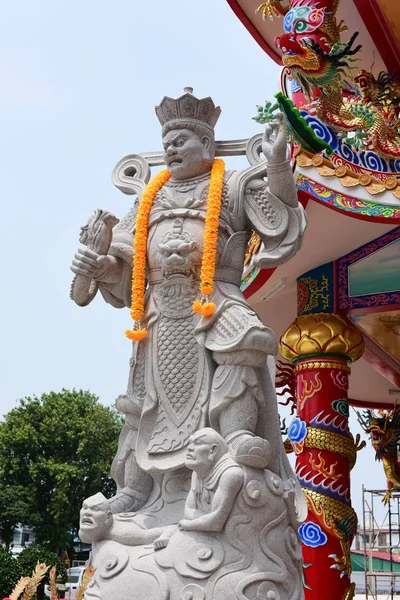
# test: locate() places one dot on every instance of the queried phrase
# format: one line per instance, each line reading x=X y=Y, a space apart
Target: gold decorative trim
x=253 y=247
x=346 y=176
x=323 y=364
x=319 y=334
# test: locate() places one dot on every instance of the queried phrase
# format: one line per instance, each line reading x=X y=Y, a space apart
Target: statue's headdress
x=187 y=109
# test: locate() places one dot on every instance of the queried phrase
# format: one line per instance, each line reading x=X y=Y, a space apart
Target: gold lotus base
x=319 y=334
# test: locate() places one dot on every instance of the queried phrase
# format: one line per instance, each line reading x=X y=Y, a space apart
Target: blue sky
x=80 y=82
x=80 y=79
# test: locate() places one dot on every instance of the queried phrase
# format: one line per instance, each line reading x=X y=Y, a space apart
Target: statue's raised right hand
x=88 y=263
x=274 y=142
x=85 y=263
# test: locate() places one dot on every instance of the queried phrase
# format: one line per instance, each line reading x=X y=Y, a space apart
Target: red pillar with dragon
x=321 y=347
x=359 y=113
x=344 y=122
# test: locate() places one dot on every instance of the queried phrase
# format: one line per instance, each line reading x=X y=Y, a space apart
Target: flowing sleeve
x=119 y=294
x=279 y=220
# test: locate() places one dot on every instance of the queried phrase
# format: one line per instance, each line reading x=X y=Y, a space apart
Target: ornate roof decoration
x=348 y=178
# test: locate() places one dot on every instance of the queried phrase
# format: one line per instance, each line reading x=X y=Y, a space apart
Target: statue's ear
x=206 y=142
x=214 y=449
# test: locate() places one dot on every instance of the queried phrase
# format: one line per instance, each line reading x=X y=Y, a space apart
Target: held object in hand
x=95 y=235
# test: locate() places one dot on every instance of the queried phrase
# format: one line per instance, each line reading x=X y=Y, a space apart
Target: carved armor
x=171 y=378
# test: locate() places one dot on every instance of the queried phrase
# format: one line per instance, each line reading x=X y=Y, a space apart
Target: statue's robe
x=172 y=369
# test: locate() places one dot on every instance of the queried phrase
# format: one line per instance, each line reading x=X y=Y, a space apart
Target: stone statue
x=216 y=481
x=97 y=523
x=95 y=519
x=200 y=392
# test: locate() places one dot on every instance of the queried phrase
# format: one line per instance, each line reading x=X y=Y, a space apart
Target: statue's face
x=201 y=453
x=186 y=154
x=95 y=517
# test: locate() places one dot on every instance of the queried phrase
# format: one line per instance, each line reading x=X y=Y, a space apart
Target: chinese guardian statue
x=207 y=505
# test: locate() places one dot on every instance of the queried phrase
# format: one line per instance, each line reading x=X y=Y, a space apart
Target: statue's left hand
x=161 y=542
x=275 y=150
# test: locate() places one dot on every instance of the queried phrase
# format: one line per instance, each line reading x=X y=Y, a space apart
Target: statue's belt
x=225 y=274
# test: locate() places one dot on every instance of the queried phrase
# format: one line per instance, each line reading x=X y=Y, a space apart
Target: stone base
x=257 y=554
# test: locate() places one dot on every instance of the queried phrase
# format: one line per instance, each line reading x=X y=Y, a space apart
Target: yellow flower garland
x=207 y=272
x=140 y=253
x=203 y=306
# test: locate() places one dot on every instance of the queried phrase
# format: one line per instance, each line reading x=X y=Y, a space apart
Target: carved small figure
x=97 y=523
x=96 y=519
x=216 y=481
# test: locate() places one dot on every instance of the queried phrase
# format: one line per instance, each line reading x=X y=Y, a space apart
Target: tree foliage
x=32 y=555
x=10 y=572
x=56 y=451
x=14 y=508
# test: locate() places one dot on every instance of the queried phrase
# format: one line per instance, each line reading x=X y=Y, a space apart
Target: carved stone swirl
x=131 y=174
x=114 y=564
x=192 y=592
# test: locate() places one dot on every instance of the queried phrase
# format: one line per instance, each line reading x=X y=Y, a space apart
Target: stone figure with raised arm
x=215 y=483
x=194 y=369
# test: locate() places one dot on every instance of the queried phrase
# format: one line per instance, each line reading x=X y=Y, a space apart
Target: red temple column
x=322 y=347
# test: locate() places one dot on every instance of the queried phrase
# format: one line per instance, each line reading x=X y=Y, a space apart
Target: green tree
x=57 y=449
x=14 y=509
x=10 y=572
x=28 y=559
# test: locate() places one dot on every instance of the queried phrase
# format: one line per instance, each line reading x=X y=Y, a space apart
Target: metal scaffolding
x=381 y=584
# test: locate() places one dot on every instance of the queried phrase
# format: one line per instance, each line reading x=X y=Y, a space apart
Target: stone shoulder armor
x=280 y=226
x=267 y=213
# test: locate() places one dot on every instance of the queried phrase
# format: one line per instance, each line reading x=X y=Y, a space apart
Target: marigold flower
x=207 y=272
x=208 y=308
x=136 y=334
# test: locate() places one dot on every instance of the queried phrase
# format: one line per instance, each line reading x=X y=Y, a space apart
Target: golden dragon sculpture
x=384 y=429
x=322 y=65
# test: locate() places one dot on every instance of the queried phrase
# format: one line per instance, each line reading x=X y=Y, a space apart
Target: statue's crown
x=188 y=108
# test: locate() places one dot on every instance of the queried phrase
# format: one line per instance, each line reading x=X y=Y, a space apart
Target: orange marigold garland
x=140 y=254
x=203 y=306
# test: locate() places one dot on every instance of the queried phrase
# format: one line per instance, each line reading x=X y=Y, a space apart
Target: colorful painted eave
x=380 y=19
x=352 y=206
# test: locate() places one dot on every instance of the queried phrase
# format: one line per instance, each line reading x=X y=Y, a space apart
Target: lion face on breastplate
x=178 y=254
